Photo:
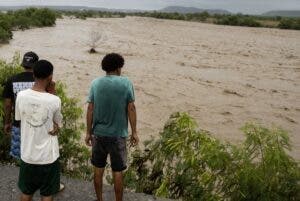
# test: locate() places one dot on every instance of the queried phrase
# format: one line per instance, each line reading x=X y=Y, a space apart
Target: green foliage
x=188 y=163
x=289 y=23
x=6 y=71
x=92 y=14
x=74 y=156
x=238 y=20
x=24 y=19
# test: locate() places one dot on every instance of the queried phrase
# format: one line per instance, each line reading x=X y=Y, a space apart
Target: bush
x=289 y=23
x=188 y=163
x=24 y=19
x=6 y=71
x=74 y=156
x=238 y=20
x=5 y=35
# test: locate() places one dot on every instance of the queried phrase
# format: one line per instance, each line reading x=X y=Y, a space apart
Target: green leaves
x=74 y=156
x=24 y=19
x=6 y=71
x=188 y=163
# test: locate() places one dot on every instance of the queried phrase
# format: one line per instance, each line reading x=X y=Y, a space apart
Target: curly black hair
x=112 y=62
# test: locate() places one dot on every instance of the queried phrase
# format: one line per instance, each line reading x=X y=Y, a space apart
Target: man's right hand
x=7 y=128
x=134 y=139
x=88 y=140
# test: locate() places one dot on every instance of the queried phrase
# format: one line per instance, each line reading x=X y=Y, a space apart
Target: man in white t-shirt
x=40 y=116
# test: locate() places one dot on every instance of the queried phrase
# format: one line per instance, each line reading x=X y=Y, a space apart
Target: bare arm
x=7 y=115
x=89 y=123
x=134 y=139
x=57 y=121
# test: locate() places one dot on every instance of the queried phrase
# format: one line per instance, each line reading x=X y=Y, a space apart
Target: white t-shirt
x=37 y=112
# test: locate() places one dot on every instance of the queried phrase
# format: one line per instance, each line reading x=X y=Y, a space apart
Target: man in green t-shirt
x=110 y=105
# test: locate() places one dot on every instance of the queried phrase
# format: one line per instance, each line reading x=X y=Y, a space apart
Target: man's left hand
x=55 y=130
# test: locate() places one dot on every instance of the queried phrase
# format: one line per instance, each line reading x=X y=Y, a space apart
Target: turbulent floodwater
x=223 y=76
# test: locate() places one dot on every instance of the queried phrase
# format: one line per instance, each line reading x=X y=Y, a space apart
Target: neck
x=29 y=70
x=113 y=73
x=40 y=86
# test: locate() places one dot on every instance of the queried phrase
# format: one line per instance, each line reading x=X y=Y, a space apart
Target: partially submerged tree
x=95 y=39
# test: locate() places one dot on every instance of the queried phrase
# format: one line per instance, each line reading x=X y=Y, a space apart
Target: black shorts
x=45 y=178
x=115 y=147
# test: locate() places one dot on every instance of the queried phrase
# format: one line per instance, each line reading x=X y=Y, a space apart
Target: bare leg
x=25 y=197
x=98 y=182
x=48 y=198
x=118 y=184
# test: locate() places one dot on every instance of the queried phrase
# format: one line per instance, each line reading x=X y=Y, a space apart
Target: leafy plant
x=24 y=19
x=289 y=23
x=6 y=71
x=188 y=163
x=74 y=156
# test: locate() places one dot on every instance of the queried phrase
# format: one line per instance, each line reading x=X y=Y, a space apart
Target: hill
x=180 y=9
x=283 y=13
x=68 y=8
x=170 y=9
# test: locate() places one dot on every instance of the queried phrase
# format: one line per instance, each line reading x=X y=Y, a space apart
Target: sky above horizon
x=244 y=6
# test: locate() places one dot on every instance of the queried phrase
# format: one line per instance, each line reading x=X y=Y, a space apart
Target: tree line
x=24 y=19
x=221 y=19
x=41 y=17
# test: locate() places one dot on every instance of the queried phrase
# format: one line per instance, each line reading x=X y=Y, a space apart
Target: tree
x=95 y=38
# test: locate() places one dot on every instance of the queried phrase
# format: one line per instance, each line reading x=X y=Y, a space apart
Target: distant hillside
x=283 y=13
x=67 y=8
x=180 y=9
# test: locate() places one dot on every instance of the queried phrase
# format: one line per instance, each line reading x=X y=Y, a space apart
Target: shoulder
x=17 y=76
x=125 y=79
x=54 y=100
x=13 y=78
x=96 y=81
x=54 y=97
x=23 y=93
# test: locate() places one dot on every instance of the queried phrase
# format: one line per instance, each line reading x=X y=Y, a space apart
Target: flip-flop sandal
x=61 y=187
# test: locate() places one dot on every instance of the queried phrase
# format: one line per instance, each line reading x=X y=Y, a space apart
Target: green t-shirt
x=111 y=95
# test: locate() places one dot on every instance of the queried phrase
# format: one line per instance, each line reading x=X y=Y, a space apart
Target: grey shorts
x=115 y=147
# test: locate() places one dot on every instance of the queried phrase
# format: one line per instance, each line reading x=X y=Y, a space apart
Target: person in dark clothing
x=14 y=85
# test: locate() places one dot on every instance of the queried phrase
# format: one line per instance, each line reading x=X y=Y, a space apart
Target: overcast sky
x=245 y=6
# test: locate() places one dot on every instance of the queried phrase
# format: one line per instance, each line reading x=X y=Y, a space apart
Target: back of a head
x=112 y=62
x=42 y=69
x=29 y=60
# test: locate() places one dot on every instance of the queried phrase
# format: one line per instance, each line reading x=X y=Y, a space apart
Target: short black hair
x=112 y=62
x=42 y=69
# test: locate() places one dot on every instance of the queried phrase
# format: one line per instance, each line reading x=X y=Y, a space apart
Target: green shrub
x=74 y=156
x=188 y=163
x=6 y=71
x=238 y=20
x=5 y=35
x=289 y=23
x=24 y=19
